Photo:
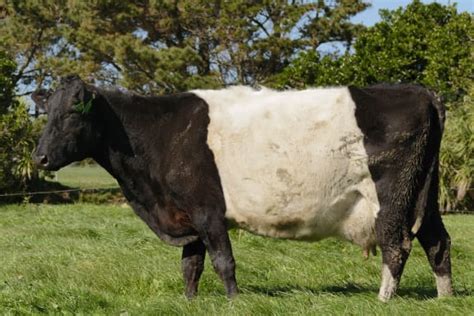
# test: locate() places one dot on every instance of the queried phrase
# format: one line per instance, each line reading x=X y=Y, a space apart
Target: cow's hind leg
x=436 y=242
x=433 y=236
x=193 y=265
x=213 y=231
x=395 y=244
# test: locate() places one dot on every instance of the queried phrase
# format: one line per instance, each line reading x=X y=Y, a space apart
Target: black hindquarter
x=401 y=137
x=402 y=127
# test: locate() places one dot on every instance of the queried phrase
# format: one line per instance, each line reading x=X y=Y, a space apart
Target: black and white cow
x=361 y=164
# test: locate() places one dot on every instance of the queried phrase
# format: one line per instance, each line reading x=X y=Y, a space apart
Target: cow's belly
x=306 y=200
x=293 y=165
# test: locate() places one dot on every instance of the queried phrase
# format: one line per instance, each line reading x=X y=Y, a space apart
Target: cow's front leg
x=213 y=231
x=193 y=264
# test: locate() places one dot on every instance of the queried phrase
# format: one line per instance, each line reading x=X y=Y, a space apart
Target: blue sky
x=370 y=16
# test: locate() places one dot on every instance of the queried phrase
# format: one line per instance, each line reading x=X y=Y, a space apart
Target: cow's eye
x=68 y=117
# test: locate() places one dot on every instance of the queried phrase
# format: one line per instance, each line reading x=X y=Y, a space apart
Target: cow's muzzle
x=41 y=160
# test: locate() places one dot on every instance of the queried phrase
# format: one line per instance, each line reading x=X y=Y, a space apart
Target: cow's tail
x=427 y=201
x=438 y=104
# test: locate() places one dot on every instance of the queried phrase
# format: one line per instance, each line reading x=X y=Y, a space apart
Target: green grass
x=86 y=177
x=91 y=259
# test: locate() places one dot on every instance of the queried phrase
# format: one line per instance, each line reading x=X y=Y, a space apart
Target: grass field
x=87 y=177
x=92 y=259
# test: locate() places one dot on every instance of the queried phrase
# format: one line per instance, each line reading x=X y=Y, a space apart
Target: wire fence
x=84 y=190
x=113 y=188
x=17 y=194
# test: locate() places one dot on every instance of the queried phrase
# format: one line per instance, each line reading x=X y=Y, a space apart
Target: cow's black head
x=73 y=130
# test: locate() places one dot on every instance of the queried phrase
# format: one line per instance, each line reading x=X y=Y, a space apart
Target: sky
x=370 y=16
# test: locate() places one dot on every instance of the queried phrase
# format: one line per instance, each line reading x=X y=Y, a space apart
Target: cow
x=356 y=163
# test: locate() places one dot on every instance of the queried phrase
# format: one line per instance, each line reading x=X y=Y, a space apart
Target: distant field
x=90 y=176
x=92 y=259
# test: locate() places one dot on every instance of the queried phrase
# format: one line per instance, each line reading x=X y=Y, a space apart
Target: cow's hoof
x=448 y=293
x=233 y=293
x=444 y=286
x=190 y=294
x=384 y=298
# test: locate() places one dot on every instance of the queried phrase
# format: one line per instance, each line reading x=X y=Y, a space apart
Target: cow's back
x=292 y=164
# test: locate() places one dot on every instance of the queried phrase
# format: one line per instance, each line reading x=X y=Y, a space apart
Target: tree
x=312 y=69
x=7 y=84
x=430 y=44
x=157 y=46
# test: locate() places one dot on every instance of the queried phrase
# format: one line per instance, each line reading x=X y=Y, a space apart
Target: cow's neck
x=123 y=151
x=125 y=156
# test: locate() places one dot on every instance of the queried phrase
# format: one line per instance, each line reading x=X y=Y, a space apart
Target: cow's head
x=73 y=131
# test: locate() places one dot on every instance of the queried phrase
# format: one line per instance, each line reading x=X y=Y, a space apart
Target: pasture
x=87 y=177
x=101 y=259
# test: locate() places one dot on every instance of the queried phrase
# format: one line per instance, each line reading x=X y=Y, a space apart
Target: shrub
x=17 y=141
x=457 y=157
x=18 y=134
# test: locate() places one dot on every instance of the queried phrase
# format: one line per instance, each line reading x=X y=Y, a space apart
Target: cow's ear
x=86 y=95
x=88 y=92
x=40 y=97
x=69 y=78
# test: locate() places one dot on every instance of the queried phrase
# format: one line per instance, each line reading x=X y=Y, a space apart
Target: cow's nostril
x=43 y=160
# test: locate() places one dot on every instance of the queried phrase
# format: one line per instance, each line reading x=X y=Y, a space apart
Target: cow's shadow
x=426 y=293
x=285 y=290
x=350 y=289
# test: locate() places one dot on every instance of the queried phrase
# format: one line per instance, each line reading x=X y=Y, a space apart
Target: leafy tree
x=311 y=69
x=168 y=45
x=7 y=84
x=430 y=44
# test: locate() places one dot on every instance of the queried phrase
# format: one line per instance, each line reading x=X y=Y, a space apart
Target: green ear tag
x=82 y=107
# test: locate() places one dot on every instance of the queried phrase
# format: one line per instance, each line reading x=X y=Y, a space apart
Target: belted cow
x=357 y=163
